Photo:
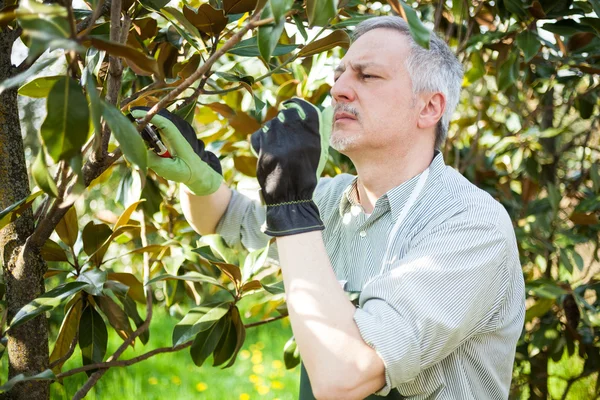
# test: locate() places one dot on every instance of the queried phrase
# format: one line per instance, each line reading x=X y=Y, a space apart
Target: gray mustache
x=346 y=108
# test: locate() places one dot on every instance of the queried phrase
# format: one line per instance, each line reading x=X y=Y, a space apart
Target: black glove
x=291 y=149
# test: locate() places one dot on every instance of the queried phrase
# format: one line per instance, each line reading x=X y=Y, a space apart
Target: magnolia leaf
x=116 y=316
x=336 y=38
x=207 y=19
x=238 y=6
x=65 y=129
x=66 y=335
x=319 y=12
x=136 y=289
x=529 y=43
x=93 y=337
x=291 y=355
x=46 y=302
x=198 y=319
x=40 y=87
x=133 y=56
x=240 y=331
x=41 y=176
x=94 y=236
x=47 y=375
x=268 y=35
x=51 y=251
x=249 y=48
x=129 y=139
x=68 y=228
x=206 y=341
x=226 y=346
x=12 y=212
x=418 y=31
x=28 y=73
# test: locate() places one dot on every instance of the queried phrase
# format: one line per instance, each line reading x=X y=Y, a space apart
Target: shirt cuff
x=230 y=225
x=391 y=339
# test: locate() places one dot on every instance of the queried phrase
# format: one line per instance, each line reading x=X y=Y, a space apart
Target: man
x=435 y=258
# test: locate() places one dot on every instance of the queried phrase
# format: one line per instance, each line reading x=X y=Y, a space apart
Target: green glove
x=195 y=167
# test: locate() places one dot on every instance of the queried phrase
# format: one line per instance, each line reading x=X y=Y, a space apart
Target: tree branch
x=201 y=71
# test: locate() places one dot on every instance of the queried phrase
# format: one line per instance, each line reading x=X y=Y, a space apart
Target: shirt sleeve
x=240 y=225
x=446 y=288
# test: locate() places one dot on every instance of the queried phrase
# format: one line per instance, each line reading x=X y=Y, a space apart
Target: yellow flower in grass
x=258 y=369
x=260 y=345
x=176 y=380
x=277 y=364
x=201 y=386
x=262 y=389
x=244 y=396
x=255 y=379
x=277 y=385
x=256 y=359
x=152 y=380
x=244 y=354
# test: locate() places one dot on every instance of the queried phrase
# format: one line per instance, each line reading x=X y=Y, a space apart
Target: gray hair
x=433 y=70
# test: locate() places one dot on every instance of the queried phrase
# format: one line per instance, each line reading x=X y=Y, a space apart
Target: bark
x=23 y=271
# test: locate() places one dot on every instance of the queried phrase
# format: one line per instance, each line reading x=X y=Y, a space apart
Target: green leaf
x=129 y=139
x=238 y=6
x=132 y=312
x=515 y=7
x=116 y=316
x=545 y=289
x=508 y=72
x=154 y=4
x=65 y=129
x=93 y=337
x=477 y=70
x=66 y=334
x=567 y=27
x=276 y=288
x=94 y=278
x=46 y=302
x=94 y=236
x=136 y=289
x=279 y=8
x=12 y=212
x=595 y=175
x=226 y=346
x=565 y=262
x=254 y=261
x=418 y=31
x=68 y=228
x=554 y=196
x=319 y=12
x=95 y=104
x=198 y=319
x=41 y=176
x=336 y=38
x=28 y=73
x=529 y=43
x=240 y=331
x=47 y=375
x=291 y=355
x=206 y=342
x=249 y=48
x=596 y=6
x=132 y=55
x=268 y=35
x=51 y=251
x=40 y=87
x=219 y=247
x=585 y=104
x=300 y=26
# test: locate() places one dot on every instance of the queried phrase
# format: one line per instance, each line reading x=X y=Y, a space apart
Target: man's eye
x=368 y=76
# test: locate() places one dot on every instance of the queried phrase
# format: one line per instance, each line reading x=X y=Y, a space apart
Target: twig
x=266 y=321
x=85 y=26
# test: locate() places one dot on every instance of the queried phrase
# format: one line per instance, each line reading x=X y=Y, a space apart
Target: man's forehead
x=379 y=47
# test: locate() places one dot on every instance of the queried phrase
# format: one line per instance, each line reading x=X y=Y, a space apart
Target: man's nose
x=342 y=90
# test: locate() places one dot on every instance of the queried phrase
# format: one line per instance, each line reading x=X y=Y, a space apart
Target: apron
x=305 y=388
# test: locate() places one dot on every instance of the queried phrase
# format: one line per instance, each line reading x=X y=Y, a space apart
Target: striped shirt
x=447 y=310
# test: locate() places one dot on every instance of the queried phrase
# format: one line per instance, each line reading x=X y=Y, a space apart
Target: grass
x=258 y=373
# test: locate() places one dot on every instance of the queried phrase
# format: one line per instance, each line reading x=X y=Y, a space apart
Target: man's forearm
x=338 y=361
x=204 y=212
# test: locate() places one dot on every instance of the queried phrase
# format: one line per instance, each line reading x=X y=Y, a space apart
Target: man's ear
x=432 y=111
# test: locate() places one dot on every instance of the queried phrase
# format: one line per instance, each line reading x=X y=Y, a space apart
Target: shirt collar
x=395 y=197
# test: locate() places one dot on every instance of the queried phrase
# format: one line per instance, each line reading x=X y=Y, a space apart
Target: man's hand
x=292 y=150
x=191 y=164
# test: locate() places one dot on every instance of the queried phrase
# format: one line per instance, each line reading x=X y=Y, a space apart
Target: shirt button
x=363 y=234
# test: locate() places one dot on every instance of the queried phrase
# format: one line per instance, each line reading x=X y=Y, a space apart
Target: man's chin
x=342 y=143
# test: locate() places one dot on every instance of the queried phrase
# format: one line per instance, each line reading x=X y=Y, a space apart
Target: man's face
x=372 y=94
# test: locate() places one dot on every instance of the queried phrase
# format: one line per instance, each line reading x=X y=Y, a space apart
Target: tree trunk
x=23 y=271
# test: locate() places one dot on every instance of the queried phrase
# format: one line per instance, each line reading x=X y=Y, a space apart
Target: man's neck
x=378 y=175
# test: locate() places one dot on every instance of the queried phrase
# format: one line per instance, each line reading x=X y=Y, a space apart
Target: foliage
x=526 y=131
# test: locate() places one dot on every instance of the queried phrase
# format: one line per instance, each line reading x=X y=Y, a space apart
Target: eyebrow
x=359 y=66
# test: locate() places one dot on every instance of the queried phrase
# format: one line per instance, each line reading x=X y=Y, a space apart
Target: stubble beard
x=340 y=142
